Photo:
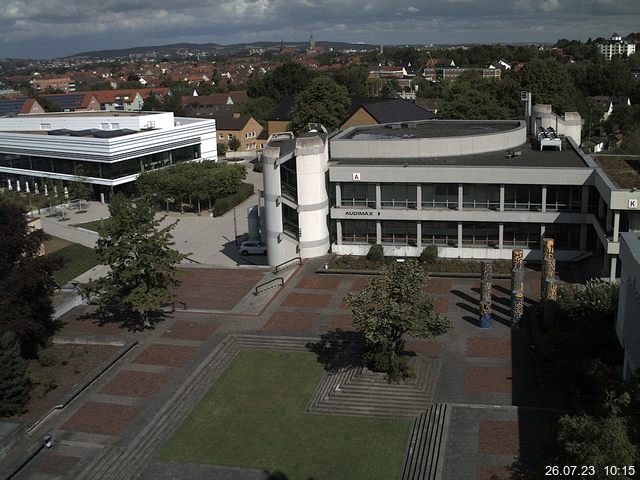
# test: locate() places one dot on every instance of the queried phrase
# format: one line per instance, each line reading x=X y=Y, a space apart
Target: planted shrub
x=224 y=204
x=376 y=253
x=429 y=254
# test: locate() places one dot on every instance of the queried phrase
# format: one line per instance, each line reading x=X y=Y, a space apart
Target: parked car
x=251 y=247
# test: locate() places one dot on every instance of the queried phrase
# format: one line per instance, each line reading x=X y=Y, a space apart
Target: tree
x=323 y=101
x=353 y=78
x=143 y=266
x=550 y=83
x=14 y=383
x=26 y=280
x=80 y=186
x=286 y=80
x=234 y=144
x=391 y=305
x=473 y=97
x=259 y=108
x=585 y=440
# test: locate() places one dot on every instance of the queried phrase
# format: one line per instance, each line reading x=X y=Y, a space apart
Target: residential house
x=19 y=106
x=243 y=127
x=39 y=84
x=74 y=102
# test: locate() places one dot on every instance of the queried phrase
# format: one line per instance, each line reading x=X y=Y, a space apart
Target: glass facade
x=521 y=235
x=398 y=195
x=483 y=197
x=358 y=195
x=440 y=196
x=523 y=197
x=98 y=169
x=398 y=232
x=564 y=198
x=358 y=231
x=566 y=236
x=480 y=234
x=440 y=233
x=289 y=179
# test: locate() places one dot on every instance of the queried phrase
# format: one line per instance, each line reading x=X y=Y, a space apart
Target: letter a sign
x=356 y=177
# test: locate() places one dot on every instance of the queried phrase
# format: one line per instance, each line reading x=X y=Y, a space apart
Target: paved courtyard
x=112 y=429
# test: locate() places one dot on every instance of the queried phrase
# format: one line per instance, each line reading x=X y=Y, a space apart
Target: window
x=480 y=234
x=45 y=126
x=439 y=196
x=115 y=126
x=521 y=235
x=358 y=231
x=398 y=232
x=246 y=135
x=399 y=195
x=481 y=197
x=440 y=233
x=523 y=197
x=104 y=126
x=564 y=199
x=230 y=136
x=358 y=195
x=567 y=237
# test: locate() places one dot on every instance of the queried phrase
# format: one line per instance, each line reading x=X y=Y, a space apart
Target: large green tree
x=550 y=83
x=143 y=265
x=26 y=280
x=388 y=307
x=472 y=97
x=353 y=78
x=14 y=383
x=286 y=80
x=323 y=101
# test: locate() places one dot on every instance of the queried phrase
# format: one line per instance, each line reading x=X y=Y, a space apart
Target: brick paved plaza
x=485 y=375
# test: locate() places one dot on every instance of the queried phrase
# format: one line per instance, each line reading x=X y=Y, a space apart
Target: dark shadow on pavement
x=334 y=343
x=125 y=318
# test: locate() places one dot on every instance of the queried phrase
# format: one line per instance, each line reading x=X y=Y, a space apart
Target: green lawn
x=78 y=258
x=254 y=417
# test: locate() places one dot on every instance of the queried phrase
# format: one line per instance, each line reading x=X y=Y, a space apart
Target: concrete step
x=425 y=452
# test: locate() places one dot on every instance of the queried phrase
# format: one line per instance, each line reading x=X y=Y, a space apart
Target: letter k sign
x=633 y=203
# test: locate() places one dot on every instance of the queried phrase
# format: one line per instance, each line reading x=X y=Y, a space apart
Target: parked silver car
x=252 y=247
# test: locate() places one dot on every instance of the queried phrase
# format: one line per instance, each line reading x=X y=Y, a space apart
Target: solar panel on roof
x=11 y=106
x=66 y=101
x=113 y=133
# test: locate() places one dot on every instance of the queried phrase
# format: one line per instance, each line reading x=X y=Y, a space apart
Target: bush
x=257 y=167
x=224 y=204
x=47 y=357
x=222 y=149
x=429 y=254
x=376 y=253
x=14 y=383
x=379 y=358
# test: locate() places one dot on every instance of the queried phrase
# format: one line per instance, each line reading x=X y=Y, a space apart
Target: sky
x=44 y=29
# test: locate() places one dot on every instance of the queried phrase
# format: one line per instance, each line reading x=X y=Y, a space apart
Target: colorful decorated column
x=548 y=262
x=486 y=275
x=517 y=307
x=551 y=296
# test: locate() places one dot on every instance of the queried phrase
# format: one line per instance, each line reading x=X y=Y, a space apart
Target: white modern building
x=476 y=189
x=616 y=46
x=110 y=149
x=628 y=320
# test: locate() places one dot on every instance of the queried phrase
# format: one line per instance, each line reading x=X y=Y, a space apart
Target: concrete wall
x=84 y=121
x=312 y=160
x=344 y=147
x=628 y=320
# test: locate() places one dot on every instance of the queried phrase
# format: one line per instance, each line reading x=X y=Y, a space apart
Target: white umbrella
x=17 y=185
x=46 y=190
x=26 y=187
x=9 y=184
x=35 y=187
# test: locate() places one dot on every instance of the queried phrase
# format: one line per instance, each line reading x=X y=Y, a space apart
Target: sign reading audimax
x=360 y=213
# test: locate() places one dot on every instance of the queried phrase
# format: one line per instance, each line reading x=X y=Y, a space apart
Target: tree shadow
x=278 y=475
x=499 y=314
x=131 y=321
x=335 y=347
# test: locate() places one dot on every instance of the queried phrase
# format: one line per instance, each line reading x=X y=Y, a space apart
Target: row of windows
x=100 y=170
x=483 y=197
x=401 y=232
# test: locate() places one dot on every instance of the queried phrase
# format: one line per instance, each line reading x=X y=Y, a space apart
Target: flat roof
x=622 y=170
x=98 y=113
x=430 y=129
x=529 y=157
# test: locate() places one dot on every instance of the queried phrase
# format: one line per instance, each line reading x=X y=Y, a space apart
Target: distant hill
x=212 y=47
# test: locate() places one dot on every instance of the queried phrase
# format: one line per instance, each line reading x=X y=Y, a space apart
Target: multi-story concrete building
x=628 y=321
x=476 y=189
x=616 y=46
x=109 y=149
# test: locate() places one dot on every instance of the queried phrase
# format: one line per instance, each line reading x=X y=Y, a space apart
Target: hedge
x=224 y=204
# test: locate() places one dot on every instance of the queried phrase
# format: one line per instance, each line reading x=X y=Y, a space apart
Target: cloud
x=45 y=28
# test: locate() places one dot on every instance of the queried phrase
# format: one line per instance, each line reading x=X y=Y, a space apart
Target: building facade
x=616 y=46
x=628 y=319
x=475 y=189
x=109 y=150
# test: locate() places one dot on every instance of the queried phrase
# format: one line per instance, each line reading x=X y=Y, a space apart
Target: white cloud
x=413 y=9
x=550 y=5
